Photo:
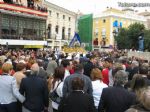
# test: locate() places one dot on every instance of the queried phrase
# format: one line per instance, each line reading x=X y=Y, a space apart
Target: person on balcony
x=95 y=43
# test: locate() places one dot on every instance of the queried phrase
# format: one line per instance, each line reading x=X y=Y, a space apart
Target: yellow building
x=105 y=25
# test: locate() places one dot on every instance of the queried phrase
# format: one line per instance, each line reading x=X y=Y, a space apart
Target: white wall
x=22 y=42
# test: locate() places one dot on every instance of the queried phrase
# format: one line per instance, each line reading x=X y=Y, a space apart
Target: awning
x=33 y=46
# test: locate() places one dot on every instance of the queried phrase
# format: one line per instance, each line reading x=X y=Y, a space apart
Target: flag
x=76 y=38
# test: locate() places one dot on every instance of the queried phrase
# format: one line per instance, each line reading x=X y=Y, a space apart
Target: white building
x=60 y=25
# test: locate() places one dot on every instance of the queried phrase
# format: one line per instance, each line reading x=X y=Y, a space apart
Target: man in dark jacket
x=116 y=99
x=89 y=65
x=35 y=90
x=77 y=100
x=42 y=73
x=78 y=73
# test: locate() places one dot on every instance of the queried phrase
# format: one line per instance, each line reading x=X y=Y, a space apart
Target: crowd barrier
x=143 y=55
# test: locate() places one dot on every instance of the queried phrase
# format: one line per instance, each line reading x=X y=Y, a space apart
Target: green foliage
x=122 y=39
x=147 y=39
x=128 y=37
x=133 y=33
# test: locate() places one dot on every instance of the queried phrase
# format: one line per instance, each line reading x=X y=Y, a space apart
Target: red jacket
x=105 y=73
x=1 y=71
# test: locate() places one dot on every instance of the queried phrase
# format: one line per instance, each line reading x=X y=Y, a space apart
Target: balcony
x=37 y=11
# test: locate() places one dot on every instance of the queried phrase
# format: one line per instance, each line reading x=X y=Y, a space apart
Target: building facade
x=146 y=14
x=61 y=25
x=107 y=24
x=23 y=24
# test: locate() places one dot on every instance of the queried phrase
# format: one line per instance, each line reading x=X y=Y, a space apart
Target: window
x=96 y=33
x=50 y=12
x=63 y=33
x=96 y=21
x=49 y=30
x=69 y=18
x=69 y=33
x=57 y=15
x=103 y=32
x=63 y=16
x=104 y=20
x=57 y=29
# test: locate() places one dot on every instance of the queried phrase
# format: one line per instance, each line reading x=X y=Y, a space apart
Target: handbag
x=54 y=96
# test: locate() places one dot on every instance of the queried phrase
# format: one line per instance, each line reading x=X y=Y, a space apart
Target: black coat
x=36 y=93
x=116 y=99
x=88 y=68
x=42 y=73
x=77 y=101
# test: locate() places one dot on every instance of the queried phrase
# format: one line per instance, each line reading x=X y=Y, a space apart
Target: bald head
x=34 y=69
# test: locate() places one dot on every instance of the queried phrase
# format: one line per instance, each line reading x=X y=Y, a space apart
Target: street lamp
x=115 y=33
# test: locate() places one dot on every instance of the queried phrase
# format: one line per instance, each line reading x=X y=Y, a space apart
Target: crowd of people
x=48 y=81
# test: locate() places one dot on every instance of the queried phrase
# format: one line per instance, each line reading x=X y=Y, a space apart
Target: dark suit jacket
x=36 y=93
x=42 y=73
x=116 y=99
x=88 y=68
x=77 y=101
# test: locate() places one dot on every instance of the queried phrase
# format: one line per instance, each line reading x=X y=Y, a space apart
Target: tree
x=122 y=39
x=128 y=37
x=134 y=31
x=147 y=40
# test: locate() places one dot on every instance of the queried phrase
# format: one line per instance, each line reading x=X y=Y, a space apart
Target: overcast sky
x=95 y=6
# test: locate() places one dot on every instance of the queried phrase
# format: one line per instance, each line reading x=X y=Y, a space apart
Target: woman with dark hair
x=57 y=84
x=77 y=100
x=138 y=82
x=19 y=75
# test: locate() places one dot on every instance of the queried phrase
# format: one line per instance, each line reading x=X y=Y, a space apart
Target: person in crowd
x=57 y=83
x=67 y=65
x=138 y=82
x=30 y=62
x=116 y=67
x=116 y=98
x=105 y=73
x=97 y=85
x=19 y=75
x=35 y=90
x=12 y=72
x=77 y=100
x=42 y=73
x=137 y=85
x=109 y=64
x=74 y=63
x=144 y=102
x=129 y=69
x=78 y=73
x=143 y=70
x=14 y=62
x=89 y=65
x=51 y=66
x=9 y=92
x=1 y=63
x=134 y=69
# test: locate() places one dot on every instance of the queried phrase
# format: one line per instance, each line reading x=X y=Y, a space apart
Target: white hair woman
x=9 y=92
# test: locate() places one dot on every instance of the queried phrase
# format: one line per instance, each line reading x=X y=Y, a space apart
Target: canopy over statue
x=74 y=45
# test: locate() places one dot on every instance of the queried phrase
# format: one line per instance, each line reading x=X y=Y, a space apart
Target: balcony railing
x=39 y=11
x=17 y=37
